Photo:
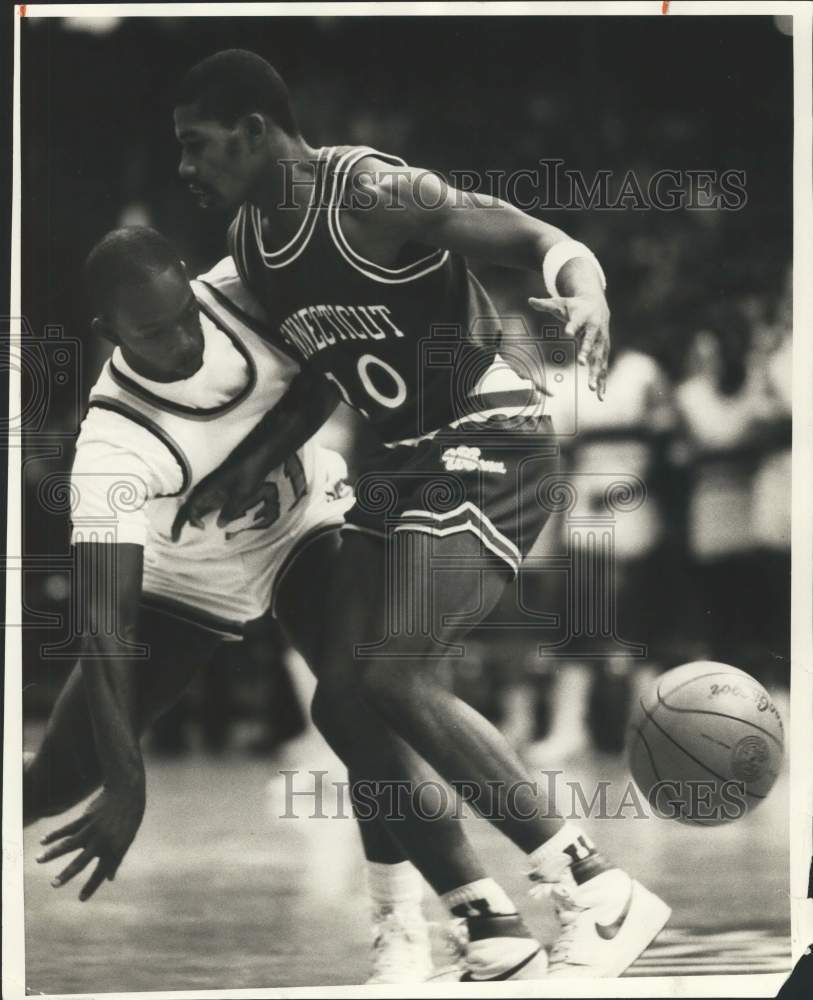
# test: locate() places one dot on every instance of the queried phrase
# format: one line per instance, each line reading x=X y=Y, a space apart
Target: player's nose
x=186 y=170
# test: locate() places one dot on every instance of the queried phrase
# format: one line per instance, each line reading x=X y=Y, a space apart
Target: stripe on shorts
x=192 y=616
x=466 y=517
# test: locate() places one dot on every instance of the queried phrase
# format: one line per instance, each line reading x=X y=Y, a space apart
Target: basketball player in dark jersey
x=360 y=261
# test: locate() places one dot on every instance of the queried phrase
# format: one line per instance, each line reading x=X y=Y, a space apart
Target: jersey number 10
x=363 y=365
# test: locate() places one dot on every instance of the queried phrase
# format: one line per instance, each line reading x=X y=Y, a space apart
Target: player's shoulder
x=369 y=170
x=226 y=285
x=115 y=439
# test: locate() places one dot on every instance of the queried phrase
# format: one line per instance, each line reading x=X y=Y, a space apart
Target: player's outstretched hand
x=587 y=318
x=104 y=831
x=231 y=489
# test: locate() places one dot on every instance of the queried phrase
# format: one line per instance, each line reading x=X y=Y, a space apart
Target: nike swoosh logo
x=468 y=978
x=608 y=931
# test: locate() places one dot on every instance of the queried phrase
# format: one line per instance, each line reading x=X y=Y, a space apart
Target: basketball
x=705 y=743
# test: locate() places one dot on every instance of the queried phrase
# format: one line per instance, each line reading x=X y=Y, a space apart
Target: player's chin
x=204 y=198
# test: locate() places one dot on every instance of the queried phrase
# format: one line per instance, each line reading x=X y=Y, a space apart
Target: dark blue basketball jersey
x=408 y=346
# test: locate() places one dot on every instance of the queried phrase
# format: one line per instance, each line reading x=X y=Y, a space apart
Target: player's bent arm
x=233 y=487
x=405 y=205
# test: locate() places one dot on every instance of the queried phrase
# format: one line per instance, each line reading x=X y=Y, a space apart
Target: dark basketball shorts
x=484 y=485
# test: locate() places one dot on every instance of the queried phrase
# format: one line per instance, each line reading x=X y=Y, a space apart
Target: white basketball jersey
x=171 y=445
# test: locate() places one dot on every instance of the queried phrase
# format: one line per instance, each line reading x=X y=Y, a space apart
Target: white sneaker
x=401 y=949
x=607 y=922
x=496 y=948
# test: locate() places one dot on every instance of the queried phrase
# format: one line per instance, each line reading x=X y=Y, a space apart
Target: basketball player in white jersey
x=188 y=379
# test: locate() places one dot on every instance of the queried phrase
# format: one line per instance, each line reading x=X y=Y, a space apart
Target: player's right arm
x=108 y=587
x=112 y=479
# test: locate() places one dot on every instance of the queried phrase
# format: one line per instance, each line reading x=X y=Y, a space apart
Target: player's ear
x=256 y=127
x=101 y=328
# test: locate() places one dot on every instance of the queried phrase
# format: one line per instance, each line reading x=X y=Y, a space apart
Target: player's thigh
x=302 y=594
x=176 y=651
x=172 y=653
x=409 y=595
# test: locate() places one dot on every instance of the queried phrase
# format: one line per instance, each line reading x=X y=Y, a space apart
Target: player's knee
x=384 y=683
x=320 y=713
x=331 y=713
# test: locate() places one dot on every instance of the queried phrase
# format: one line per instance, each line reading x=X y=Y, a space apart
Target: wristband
x=558 y=255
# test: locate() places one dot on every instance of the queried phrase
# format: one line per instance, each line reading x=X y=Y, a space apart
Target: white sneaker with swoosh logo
x=607 y=922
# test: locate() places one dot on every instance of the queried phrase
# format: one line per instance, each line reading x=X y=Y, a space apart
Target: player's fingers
x=598 y=366
x=178 y=523
x=76 y=866
x=604 y=365
x=554 y=307
x=587 y=344
x=93 y=883
x=188 y=513
x=232 y=510
x=64 y=847
x=602 y=384
x=65 y=831
x=238 y=505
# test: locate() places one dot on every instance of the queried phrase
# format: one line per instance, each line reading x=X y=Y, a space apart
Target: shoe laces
x=568 y=910
x=400 y=937
x=456 y=938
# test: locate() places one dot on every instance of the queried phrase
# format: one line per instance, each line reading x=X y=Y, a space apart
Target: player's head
x=232 y=117
x=143 y=301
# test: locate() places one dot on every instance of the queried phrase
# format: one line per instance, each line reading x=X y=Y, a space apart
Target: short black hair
x=126 y=256
x=236 y=82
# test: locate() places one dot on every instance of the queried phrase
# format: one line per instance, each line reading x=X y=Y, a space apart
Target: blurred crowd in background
x=698 y=403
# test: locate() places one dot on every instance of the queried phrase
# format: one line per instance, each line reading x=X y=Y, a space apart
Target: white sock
x=400 y=884
x=481 y=898
x=552 y=861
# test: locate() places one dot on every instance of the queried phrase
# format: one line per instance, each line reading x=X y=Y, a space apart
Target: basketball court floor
x=218 y=891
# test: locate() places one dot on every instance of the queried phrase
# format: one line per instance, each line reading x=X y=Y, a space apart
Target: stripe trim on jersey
x=192 y=615
x=266 y=334
x=230 y=306
x=370 y=269
x=295 y=246
x=466 y=517
x=232 y=236
x=130 y=413
x=195 y=412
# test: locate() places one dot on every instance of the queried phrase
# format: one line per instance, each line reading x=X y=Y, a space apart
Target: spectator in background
x=719 y=406
x=619 y=438
x=771 y=366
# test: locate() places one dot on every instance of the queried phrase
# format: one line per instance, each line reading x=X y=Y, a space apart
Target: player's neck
x=287 y=184
x=145 y=370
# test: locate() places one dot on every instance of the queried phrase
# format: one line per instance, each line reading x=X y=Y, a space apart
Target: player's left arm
x=404 y=205
x=233 y=487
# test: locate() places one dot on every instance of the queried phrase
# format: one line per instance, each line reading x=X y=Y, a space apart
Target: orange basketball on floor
x=705 y=743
